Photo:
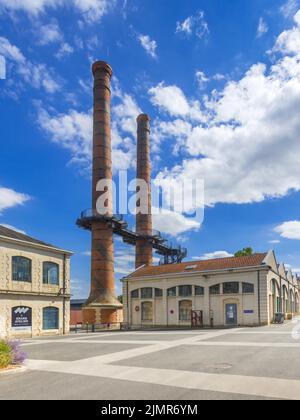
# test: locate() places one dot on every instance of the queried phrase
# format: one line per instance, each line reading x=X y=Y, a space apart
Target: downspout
x=258 y=293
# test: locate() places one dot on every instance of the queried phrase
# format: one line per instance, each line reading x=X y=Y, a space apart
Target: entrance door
x=231 y=314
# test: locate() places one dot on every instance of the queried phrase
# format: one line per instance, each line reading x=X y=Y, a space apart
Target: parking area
x=248 y=363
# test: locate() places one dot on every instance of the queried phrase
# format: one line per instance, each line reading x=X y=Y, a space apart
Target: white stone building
x=34 y=286
x=246 y=291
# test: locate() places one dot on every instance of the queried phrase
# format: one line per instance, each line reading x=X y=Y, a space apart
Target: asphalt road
x=260 y=363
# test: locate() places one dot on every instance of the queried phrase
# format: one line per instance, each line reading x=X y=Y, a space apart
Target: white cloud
x=37 y=75
x=86 y=253
x=148 y=44
x=288 y=41
x=251 y=132
x=195 y=24
x=10 y=198
x=274 y=241
x=49 y=34
x=64 y=50
x=74 y=131
x=214 y=255
x=172 y=223
x=289 y=8
x=289 y=230
x=202 y=79
x=262 y=27
x=91 y=10
x=13 y=228
x=172 y=100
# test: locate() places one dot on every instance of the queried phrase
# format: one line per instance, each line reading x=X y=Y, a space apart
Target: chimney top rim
x=143 y=117
x=102 y=65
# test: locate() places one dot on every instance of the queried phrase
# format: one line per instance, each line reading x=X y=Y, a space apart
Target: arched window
x=199 y=291
x=135 y=294
x=172 y=292
x=21 y=269
x=50 y=273
x=158 y=292
x=185 y=291
x=185 y=310
x=214 y=290
x=146 y=293
x=230 y=288
x=147 y=311
x=50 y=318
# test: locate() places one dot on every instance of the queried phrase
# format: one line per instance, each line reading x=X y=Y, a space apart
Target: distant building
x=34 y=286
x=245 y=291
x=76 y=311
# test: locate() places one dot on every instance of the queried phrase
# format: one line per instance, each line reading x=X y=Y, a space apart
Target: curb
x=13 y=371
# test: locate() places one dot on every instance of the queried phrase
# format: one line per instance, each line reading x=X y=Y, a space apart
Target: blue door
x=231 y=314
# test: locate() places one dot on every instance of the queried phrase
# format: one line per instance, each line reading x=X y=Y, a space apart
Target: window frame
x=20 y=257
x=181 y=288
x=233 y=291
x=55 y=310
x=245 y=284
x=138 y=294
x=215 y=293
x=54 y=265
x=169 y=292
x=146 y=296
x=199 y=288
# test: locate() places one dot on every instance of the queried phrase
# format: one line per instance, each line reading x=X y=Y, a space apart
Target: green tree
x=244 y=252
x=120 y=298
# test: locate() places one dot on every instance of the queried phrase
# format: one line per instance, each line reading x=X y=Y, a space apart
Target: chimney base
x=107 y=316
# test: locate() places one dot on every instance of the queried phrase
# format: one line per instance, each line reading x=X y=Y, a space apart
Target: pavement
x=242 y=363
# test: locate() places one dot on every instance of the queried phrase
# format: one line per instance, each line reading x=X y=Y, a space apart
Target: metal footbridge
x=164 y=248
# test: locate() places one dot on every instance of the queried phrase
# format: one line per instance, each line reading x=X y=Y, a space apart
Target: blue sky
x=221 y=81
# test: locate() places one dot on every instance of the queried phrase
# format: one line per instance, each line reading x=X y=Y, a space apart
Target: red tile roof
x=204 y=265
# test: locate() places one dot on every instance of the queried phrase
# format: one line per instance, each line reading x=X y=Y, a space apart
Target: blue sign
x=248 y=312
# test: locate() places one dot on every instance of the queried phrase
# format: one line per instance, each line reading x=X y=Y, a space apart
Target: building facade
x=34 y=287
x=237 y=291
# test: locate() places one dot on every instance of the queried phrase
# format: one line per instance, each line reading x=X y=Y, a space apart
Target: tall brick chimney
x=102 y=295
x=144 y=221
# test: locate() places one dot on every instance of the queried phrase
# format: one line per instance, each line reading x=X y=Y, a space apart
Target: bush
x=18 y=356
x=5 y=355
x=11 y=354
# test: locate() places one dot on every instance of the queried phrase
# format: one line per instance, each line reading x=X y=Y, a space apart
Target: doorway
x=231 y=314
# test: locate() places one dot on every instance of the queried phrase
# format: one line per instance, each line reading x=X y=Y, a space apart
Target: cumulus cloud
x=37 y=75
x=214 y=255
x=73 y=131
x=193 y=25
x=172 y=100
x=288 y=41
x=289 y=230
x=172 y=223
x=148 y=44
x=247 y=146
x=90 y=10
x=10 y=198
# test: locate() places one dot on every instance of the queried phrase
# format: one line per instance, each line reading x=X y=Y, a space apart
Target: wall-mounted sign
x=21 y=318
x=249 y=312
x=137 y=308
